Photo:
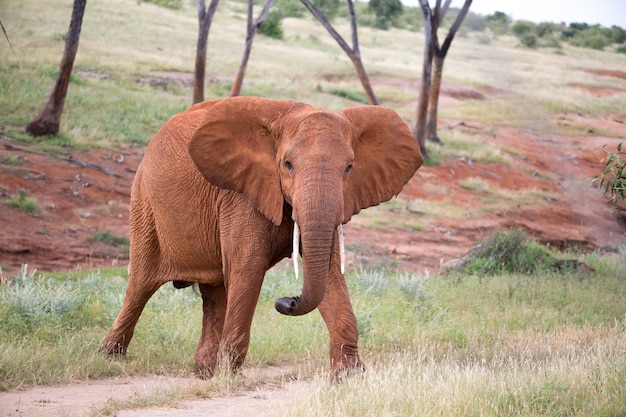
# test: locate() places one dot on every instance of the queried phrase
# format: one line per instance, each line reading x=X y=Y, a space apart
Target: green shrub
x=613 y=177
x=290 y=8
x=528 y=40
x=522 y=27
x=510 y=252
x=272 y=25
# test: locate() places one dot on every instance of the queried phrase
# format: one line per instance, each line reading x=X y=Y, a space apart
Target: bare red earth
x=83 y=200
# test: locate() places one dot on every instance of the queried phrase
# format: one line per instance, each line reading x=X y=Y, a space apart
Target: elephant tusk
x=296 y=247
x=342 y=248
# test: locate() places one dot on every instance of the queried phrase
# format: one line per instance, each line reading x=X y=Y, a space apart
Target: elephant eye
x=348 y=169
x=288 y=166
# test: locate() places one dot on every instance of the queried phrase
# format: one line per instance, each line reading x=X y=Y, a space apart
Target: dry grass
x=569 y=371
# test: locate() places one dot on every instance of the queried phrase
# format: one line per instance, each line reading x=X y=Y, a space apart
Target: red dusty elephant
x=217 y=198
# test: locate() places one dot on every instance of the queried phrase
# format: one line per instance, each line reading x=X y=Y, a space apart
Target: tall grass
x=454 y=345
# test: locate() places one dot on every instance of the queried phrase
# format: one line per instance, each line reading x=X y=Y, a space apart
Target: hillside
x=523 y=130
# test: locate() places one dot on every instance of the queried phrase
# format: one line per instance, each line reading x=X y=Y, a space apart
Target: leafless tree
x=205 y=18
x=251 y=33
x=426 y=118
x=48 y=121
x=353 y=52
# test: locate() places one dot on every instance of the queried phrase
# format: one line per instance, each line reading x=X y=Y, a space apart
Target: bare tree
x=205 y=18
x=48 y=121
x=353 y=52
x=251 y=33
x=426 y=118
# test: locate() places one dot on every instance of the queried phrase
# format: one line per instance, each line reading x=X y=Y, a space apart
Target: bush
x=328 y=8
x=272 y=25
x=613 y=177
x=521 y=28
x=498 y=22
x=528 y=40
x=595 y=41
x=509 y=252
x=386 y=12
x=290 y=8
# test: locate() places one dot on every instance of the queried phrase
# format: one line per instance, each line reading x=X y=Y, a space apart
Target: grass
x=109 y=104
x=23 y=203
x=454 y=345
x=108 y=238
x=11 y=159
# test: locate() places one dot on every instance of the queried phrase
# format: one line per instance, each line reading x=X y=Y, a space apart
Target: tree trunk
x=433 y=102
x=205 y=18
x=424 y=97
x=426 y=117
x=48 y=121
x=353 y=53
x=251 y=33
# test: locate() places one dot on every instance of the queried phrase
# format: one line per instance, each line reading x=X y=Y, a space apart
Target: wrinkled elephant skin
x=215 y=199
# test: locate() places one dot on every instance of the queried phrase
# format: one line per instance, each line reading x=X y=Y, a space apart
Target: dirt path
x=83 y=399
x=257 y=403
x=89 y=398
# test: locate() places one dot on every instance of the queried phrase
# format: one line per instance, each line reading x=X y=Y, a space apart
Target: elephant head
x=326 y=166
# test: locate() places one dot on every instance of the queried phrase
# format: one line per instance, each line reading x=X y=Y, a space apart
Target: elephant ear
x=386 y=155
x=234 y=148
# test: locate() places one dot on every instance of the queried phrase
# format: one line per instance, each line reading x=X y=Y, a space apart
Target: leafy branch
x=613 y=177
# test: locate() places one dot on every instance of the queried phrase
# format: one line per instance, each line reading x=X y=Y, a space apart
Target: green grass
x=108 y=238
x=433 y=345
x=11 y=159
x=23 y=203
x=110 y=104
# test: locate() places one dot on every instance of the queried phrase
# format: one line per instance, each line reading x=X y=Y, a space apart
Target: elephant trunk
x=317 y=225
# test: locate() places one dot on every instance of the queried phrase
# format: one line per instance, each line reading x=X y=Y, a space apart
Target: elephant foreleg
x=243 y=294
x=336 y=310
x=213 y=315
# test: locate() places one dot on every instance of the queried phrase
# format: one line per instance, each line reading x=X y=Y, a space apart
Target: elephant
x=221 y=191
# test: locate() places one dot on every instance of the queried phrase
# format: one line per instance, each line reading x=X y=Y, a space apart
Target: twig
x=7 y=36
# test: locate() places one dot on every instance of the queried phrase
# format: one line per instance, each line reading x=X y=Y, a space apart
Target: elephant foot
x=203 y=370
x=112 y=348
x=343 y=371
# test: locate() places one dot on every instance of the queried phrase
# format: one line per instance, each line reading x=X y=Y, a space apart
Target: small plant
x=21 y=202
x=11 y=159
x=272 y=25
x=108 y=238
x=350 y=95
x=169 y=4
x=613 y=177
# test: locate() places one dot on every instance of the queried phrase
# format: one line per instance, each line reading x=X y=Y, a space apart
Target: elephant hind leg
x=141 y=286
x=213 y=316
